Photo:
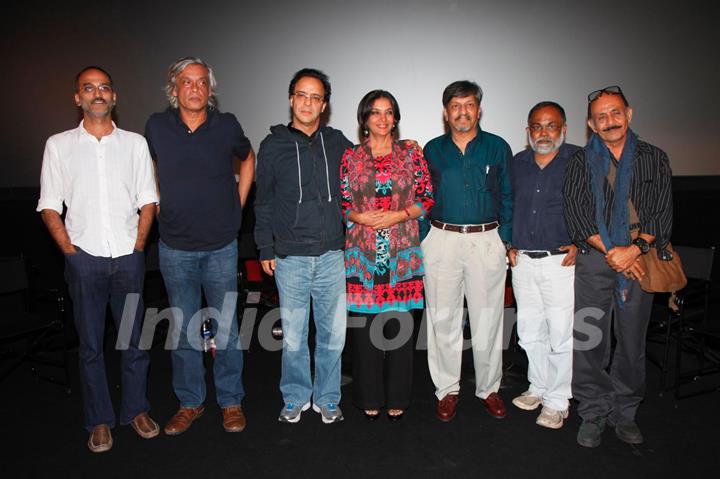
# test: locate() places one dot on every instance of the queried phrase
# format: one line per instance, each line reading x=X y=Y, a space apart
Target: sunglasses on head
x=610 y=90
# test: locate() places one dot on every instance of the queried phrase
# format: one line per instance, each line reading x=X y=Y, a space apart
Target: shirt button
x=189 y=131
x=534 y=211
x=538 y=191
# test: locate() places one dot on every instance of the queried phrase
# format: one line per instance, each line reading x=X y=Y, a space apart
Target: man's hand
x=569 y=259
x=512 y=254
x=620 y=258
x=635 y=271
x=268 y=265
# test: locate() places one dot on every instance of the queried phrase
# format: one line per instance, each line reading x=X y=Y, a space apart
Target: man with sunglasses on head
x=618 y=202
x=299 y=232
x=542 y=260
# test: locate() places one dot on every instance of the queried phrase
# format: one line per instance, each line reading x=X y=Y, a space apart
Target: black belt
x=542 y=254
x=464 y=228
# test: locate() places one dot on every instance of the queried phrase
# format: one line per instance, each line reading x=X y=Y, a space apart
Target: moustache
x=99 y=100
x=463 y=116
x=613 y=127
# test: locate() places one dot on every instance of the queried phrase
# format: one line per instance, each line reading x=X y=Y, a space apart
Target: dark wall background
x=663 y=53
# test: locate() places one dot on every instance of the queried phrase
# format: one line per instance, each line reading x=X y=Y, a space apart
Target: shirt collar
x=477 y=139
x=83 y=133
x=175 y=114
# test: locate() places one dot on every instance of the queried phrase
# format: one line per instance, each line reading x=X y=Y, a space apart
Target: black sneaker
x=628 y=431
x=590 y=432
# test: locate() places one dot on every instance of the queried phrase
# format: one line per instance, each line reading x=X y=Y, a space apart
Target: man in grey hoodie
x=299 y=233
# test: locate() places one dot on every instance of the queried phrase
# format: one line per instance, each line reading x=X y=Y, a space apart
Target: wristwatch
x=642 y=244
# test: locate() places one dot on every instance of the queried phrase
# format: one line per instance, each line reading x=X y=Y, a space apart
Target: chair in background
x=689 y=326
x=29 y=336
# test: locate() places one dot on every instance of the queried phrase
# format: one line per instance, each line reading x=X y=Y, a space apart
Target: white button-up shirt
x=103 y=183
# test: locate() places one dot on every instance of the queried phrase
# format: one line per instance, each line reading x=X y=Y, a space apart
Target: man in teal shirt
x=465 y=250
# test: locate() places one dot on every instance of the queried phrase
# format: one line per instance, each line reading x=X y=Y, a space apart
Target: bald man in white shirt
x=104 y=176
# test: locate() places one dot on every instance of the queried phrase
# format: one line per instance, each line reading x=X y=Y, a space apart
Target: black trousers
x=608 y=384
x=382 y=347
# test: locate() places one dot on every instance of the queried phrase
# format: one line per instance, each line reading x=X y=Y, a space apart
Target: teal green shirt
x=471 y=188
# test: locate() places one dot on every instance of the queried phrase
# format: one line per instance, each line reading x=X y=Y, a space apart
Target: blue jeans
x=321 y=278
x=187 y=275
x=92 y=282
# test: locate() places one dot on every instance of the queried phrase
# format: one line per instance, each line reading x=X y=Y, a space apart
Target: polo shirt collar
x=209 y=121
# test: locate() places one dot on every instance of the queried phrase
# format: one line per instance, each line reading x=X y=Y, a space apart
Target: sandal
x=371 y=414
x=399 y=413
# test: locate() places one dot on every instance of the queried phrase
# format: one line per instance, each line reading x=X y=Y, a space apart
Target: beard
x=547 y=145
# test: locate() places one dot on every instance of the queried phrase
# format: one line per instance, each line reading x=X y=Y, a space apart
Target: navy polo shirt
x=538 y=218
x=199 y=201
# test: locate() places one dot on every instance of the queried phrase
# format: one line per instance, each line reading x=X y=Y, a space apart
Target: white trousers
x=544 y=291
x=470 y=265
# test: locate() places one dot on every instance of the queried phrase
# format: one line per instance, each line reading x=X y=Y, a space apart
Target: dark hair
x=91 y=67
x=366 y=104
x=313 y=73
x=544 y=104
x=461 y=89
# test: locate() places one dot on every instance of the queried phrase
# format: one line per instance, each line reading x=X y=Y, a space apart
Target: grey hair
x=176 y=68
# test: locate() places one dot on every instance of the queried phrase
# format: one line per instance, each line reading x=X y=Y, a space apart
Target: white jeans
x=544 y=291
x=470 y=265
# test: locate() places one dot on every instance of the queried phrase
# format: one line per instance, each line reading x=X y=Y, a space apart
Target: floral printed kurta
x=392 y=280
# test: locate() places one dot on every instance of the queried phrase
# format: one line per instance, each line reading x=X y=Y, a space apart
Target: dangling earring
x=394 y=126
x=365 y=132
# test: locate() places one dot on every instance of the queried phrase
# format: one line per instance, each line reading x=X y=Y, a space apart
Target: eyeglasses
x=549 y=127
x=89 y=88
x=610 y=90
x=301 y=96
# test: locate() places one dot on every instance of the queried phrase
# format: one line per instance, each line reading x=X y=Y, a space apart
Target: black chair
x=690 y=327
x=30 y=336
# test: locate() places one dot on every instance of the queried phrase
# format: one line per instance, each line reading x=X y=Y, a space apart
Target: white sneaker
x=527 y=401
x=551 y=418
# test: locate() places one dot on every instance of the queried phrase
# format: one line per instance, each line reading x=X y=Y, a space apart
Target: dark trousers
x=382 y=359
x=608 y=384
x=93 y=283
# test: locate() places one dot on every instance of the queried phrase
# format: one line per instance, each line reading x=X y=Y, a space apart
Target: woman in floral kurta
x=385 y=187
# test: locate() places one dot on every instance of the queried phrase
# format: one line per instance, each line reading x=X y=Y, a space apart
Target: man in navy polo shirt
x=543 y=264
x=194 y=145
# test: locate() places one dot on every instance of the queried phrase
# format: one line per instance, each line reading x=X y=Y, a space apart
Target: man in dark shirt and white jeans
x=616 y=188
x=543 y=264
x=194 y=146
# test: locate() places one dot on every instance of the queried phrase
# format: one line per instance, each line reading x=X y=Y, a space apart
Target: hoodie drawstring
x=297 y=153
x=327 y=173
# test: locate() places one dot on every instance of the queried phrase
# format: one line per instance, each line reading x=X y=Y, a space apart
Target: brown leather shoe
x=446 y=407
x=233 y=419
x=145 y=426
x=100 y=439
x=182 y=419
x=495 y=406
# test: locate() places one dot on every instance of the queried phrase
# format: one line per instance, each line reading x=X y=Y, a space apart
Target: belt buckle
x=464 y=229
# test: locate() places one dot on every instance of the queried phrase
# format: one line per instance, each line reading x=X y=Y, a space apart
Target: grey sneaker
x=628 y=431
x=291 y=412
x=590 y=432
x=551 y=418
x=527 y=401
x=330 y=412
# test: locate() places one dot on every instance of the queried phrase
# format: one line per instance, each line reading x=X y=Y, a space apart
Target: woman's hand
x=386 y=219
